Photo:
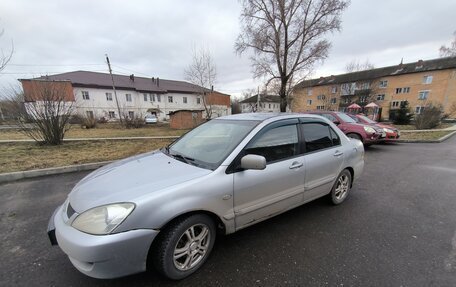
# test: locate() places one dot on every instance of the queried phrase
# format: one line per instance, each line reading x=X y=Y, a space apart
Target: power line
x=131 y=70
x=53 y=65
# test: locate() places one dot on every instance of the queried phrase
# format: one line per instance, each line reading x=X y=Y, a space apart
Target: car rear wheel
x=354 y=136
x=341 y=187
x=184 y=246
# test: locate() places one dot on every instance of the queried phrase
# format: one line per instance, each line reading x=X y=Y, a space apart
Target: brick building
x=419 y=83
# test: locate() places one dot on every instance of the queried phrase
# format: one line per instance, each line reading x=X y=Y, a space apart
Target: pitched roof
x=142 y=84
x=263 y=98
x=415 y=67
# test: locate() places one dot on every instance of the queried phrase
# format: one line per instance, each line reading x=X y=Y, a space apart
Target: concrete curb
x=98 y=139
x=12 y=176
x=444 y=138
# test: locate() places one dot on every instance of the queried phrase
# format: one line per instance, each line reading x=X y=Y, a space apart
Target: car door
x=259 y=194
x=324 y=157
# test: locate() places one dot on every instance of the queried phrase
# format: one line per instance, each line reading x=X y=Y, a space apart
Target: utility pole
x=114 y=88
x=258 y=99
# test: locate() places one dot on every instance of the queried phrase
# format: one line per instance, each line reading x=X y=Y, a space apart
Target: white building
x=136 y=96
x=265 y=104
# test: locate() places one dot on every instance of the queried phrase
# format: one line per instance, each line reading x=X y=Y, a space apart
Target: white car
x=151 y=119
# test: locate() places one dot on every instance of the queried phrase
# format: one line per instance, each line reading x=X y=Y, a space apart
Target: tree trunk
x=283 y=96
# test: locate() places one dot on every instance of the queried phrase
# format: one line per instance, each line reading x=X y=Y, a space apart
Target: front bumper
x=102 y=256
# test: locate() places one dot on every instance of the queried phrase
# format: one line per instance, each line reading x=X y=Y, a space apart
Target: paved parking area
x=396 y=229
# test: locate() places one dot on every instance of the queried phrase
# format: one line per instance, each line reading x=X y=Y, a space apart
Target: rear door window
x=319 y=136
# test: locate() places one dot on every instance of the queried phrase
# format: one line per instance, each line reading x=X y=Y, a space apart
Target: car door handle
x=338 y=153
x=296 y=165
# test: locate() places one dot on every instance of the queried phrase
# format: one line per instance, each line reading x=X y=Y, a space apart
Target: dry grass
x=424 y=135
x=412 y=127
x=103 y=131
x=28 y=156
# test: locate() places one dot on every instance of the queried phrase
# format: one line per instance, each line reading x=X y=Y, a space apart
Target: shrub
x=402 y=116
x=89 y=122
x=429 y=118
x=136 y=122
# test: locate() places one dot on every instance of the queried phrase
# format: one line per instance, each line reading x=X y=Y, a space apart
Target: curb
x=13 y=176
x=98 y=139
x=444 y=138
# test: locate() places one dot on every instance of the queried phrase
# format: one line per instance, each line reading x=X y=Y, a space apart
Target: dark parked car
x=366 y=133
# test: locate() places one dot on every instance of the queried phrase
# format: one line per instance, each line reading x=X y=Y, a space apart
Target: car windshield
x=209 y=144
x=366 y=119
x=346 y=118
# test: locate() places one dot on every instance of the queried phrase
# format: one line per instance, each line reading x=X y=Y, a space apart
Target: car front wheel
x=184 y=246
x=341 y=188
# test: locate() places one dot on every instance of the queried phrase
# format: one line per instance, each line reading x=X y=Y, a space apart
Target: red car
x=368 y=134
x=392 y=133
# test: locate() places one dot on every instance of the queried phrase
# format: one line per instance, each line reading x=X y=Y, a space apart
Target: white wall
x=100 y=106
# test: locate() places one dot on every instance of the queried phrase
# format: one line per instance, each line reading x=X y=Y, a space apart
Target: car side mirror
x=253 y=161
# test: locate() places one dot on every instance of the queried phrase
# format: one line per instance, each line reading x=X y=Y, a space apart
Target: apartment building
x=261 y=103
x=419 y=83
x=93 y=95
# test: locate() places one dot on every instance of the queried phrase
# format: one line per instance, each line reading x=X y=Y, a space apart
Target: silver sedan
x=166 y=207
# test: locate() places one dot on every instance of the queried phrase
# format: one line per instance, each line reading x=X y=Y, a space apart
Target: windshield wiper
x=180 y=157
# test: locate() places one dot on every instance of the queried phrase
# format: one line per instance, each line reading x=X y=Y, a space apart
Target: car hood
x=128 y=179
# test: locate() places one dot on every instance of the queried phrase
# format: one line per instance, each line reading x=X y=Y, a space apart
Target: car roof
x=262 y=116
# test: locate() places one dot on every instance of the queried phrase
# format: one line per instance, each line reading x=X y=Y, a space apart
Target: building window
x=363 y=99
x=333 y=100
x=89 y=114
x=109 y=96
x=423 y=95
x=170 y=99
x=152 y=97
x=406 y=90
x=395 y=104
x=159 y=98
x=427 y=79
x=112 y=114
x=146 y=97
x=383 y=84
x=128 y=97
x=131 y=114
x=320 y=107
x=85 y=95
x=309 y=102
x=419 y=110
x=320 y=97
x=347 y=101
x=309 y=91
x=269 y=105
x=364 y=86
x=184 y=100
x=381 y=97
x=334 y=89
x=198 y=101
x=398 y=90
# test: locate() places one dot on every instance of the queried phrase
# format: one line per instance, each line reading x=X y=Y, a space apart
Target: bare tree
x=449 y=51
x=43 y=110
x=356 y=66
x=5 y=57
x=286 y=37
x=202 y=72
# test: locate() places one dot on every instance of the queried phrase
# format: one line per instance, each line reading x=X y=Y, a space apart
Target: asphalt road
x=396 y=229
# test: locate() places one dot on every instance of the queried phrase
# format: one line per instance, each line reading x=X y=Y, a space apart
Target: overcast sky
x=155 y=38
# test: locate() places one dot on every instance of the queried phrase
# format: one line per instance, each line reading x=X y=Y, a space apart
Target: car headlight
x=388 y=130
x=369 y=130
x=103 y=219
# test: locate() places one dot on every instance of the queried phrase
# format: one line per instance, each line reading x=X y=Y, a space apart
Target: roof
x=256 y=116
x=415 y=67
x=263 y=98
x=141 y=84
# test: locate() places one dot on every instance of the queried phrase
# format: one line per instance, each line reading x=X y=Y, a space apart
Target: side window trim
x=234 y=166
x=304 y=121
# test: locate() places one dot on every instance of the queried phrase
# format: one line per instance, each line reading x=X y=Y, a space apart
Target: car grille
x=70 y=210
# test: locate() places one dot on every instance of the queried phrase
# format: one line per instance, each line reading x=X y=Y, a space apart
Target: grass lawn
x=424 y=135
x=103 y=131
x=412 y=127
x=28 y=156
